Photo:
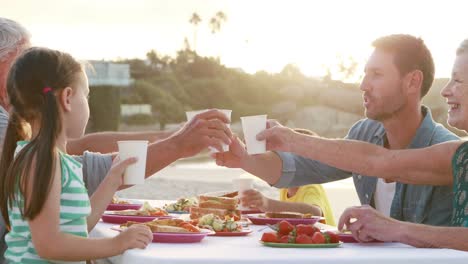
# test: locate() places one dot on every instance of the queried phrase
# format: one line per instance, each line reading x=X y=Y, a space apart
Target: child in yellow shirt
x=303 y=199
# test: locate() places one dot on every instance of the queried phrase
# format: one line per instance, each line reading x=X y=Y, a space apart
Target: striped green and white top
x=74 y=208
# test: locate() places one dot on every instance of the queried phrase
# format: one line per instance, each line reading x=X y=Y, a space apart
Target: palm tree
x=215 y=23
x=216 y=20
x=195 y=20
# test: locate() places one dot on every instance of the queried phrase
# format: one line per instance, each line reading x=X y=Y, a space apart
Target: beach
x=188 y=178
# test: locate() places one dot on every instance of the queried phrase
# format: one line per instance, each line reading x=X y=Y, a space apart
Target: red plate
x=161 y=237
x=244 y=232
x=348 y=238
x=262 y=220
x=119 y=207
x=121 y=219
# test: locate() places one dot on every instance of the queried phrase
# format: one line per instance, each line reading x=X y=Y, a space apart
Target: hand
x=136 y=236
x=369 y=224
x=115 y=174
x=234 y=157
x=207 y=129
x=254 y=199
x=277 y=137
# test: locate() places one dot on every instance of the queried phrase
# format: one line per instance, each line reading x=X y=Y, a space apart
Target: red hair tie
x=46 y=90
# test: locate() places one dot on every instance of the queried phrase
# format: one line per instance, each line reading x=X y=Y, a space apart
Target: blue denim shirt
x=413 y=203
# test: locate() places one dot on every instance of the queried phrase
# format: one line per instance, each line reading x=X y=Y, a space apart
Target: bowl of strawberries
x=286 y=235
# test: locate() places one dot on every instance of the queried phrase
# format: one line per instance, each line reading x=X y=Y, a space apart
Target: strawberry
x=269 y=237
x=284 y=228
x=287 y=239
x=284 y=239
x=303 y=239
x=318 y=238
x=332 y=237
x=305 y=230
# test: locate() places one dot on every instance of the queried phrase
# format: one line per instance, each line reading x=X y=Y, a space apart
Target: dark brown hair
x=410 y=53
x=33 y=71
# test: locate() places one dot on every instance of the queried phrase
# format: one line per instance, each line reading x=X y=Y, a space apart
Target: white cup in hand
x=253 y=125
x=135 y=173
x=241 y=185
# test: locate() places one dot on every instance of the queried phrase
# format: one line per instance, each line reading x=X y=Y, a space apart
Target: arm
x=283 y=206
x=103 y=195
x=51 y=243
x=408 y=166
x=255 y=199
x=204 y=130
x=370 y=224
x=266 y=166
x=279 y=168
x=106 y=142
x=426 y=236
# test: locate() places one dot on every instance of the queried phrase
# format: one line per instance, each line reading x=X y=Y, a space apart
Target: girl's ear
x=65 y=99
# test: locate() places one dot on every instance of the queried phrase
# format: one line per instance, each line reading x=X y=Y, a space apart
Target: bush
x=139 y=119
x=104 y=105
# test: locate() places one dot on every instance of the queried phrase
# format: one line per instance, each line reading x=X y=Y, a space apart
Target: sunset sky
x=258 y=35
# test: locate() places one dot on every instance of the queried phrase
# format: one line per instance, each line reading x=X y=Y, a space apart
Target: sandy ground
x=185 y=179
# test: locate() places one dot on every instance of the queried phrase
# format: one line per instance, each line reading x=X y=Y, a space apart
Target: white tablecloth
x=247 y=249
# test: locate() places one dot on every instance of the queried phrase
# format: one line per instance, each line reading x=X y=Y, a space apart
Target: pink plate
x=161 y=237
x=348 y=238
x=121 y=219
x=118 y=207
x=244 y=232
x=178 y=237
x=251 y=211
x=257 y=219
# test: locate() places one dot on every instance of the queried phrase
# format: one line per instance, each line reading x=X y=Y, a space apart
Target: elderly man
x=206 y=129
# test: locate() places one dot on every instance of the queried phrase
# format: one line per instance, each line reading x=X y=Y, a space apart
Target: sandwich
x=226 y=203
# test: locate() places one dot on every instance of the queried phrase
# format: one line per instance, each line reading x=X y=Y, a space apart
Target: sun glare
x=258 y=35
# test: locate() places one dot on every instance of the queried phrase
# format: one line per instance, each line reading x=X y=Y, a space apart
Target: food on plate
x=167 y=226
x=231 y=194
x=197 y=212
x=223 y=207
x=182 y=204
x=285 y=232
x=145 y=210
x=227 y=203
x=286 y=215
x=116 y=200
x=217 y=224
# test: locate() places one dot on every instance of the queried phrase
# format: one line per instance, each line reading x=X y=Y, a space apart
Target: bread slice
x=217 y=202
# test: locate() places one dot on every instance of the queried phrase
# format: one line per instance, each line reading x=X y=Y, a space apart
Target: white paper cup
x=241 y=185
x=253 y=125
x=191 y=114
x=135 y=173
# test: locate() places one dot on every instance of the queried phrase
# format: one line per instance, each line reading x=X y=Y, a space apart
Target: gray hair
x=463 y=47
x=13 y=37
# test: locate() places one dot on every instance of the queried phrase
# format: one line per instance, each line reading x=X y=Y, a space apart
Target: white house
x=108 y=73
x=133 y=109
